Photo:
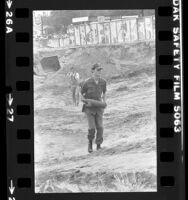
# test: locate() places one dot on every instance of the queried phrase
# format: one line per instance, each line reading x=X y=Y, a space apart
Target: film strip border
x=20 y=148
x=20 y=130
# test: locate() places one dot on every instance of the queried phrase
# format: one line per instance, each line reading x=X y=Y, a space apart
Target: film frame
x=19 y=90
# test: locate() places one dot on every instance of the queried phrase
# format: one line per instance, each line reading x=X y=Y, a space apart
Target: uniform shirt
x=93 y=90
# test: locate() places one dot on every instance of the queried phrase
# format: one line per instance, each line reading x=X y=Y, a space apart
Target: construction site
x=127 y=161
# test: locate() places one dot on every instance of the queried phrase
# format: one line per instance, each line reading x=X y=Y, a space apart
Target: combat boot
x=98 y=146
x=90 y=146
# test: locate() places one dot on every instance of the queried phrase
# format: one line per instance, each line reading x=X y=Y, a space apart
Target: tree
x=60 y=19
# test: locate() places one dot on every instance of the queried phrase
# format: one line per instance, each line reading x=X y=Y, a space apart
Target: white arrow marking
x=11 y=119
x=9 y=3
x=11 y=188
x=10 y=99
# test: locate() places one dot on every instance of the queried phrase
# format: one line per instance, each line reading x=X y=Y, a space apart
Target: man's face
x=97 y=73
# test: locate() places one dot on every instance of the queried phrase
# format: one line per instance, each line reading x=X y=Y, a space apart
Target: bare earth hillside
x=127 y=161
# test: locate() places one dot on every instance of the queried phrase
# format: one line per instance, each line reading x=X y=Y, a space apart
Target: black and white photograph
x=94 y=76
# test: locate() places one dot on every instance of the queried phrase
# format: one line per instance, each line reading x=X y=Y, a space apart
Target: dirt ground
x=127 y=160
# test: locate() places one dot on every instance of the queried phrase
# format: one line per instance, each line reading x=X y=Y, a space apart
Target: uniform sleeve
x=104 y=87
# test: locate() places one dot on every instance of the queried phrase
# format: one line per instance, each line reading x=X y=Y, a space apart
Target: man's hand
x=87 y=103
x=82 y=98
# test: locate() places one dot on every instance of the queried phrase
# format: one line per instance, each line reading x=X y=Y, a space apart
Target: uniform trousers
x=95 y=125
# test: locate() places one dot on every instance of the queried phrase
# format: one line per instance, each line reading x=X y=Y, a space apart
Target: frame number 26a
x=9 y=15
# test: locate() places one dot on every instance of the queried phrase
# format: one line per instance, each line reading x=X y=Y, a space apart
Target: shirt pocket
x=91 y=89
x=100 y=88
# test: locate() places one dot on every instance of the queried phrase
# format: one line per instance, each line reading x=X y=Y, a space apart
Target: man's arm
x=104 y=93
x=83 y=90
x=104 y=97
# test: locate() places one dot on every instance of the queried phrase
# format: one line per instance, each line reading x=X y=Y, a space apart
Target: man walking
x=94 y=88
x=74 y=83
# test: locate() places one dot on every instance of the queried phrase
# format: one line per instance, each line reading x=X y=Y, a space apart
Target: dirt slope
x=127 y=161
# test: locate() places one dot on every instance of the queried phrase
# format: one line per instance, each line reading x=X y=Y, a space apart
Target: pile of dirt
x=122 y=60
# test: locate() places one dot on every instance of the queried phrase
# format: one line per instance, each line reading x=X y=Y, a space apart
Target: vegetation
x=59 y=20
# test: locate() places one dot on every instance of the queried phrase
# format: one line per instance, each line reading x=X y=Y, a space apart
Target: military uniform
x=93 y=90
